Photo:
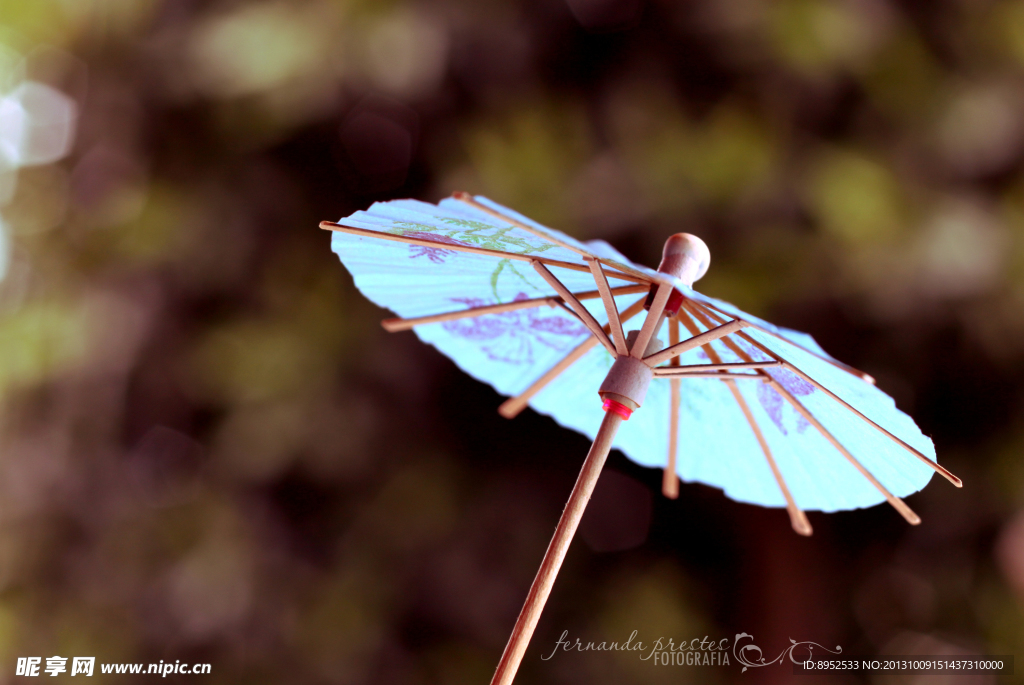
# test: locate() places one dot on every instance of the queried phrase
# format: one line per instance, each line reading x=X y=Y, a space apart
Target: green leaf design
x=470 y=232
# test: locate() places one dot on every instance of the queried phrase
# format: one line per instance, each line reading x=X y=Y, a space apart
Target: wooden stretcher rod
x=715 y=374
x=513 y=405
x=653 y=321
x=838 y=364
x=694 y=342
x=797 y=517
x=608 y=298
x=688 y=368
x=585 y=316
x=396 y=324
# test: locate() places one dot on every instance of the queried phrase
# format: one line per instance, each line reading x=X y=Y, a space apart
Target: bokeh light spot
x=257 y=48
x=856 y=198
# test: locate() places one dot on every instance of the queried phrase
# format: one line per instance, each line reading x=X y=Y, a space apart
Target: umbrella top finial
x=686 y=257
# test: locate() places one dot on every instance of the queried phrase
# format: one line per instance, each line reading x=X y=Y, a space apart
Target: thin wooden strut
x=696 y=341
x=513 y=405
x=468 y=199
x=945 y=473
x=653 y=321
x=585 y=316
x=676 y=370
x=366 y=233
x=608 y=298
x=561 y=305
x=704 y=318
x=797 y=517
x=838 y=364
x=938 y=468
x=398 y=324
x=479 y=206
x=715 y=374
x=897 y=503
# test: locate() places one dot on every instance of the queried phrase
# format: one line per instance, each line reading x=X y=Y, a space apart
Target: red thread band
x=617 y=407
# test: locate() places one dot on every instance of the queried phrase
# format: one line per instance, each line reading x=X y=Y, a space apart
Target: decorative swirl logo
x=756 y=659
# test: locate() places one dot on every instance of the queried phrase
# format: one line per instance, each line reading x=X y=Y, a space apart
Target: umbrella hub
x=686 y=257
x=625 y=386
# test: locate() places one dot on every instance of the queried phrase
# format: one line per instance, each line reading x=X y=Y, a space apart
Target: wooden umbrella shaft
x=571 y=515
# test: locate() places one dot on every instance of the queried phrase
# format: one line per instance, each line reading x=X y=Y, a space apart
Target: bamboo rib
x=797 y=517
x=714 y=374
x=895 y=501
x=396 y=324
x=669 y=477
x=920 y=457
x=652 y=322
x=703 y=317
x=694 y=331
x=366 y=233
x=469 y=200
x=585 y=316
x=673 y=338
x=615 y=326
x=945 y=473
x=838 y=364
x=561 y=305
x=695 y=341
x=676 y=370
x=513 y=405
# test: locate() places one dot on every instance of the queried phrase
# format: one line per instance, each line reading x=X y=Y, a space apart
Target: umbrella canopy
x=790 y=426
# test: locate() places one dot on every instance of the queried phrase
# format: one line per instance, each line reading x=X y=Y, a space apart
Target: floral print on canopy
x=470 y=234
x=510 y=337
x=767 y=396
x=773 y=402
x=434 y=254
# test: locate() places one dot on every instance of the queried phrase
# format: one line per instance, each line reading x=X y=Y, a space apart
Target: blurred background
x=210 y=450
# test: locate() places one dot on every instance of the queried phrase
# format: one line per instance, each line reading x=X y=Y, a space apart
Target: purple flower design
x=510 y=336
x=773 y=402
x=767 y=396
x=434 y=254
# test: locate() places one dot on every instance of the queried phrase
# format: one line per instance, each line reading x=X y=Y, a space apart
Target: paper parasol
x=762 y=412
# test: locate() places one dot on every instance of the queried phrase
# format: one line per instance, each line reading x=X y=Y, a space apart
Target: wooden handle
x=669 y=477
x=559 y=545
